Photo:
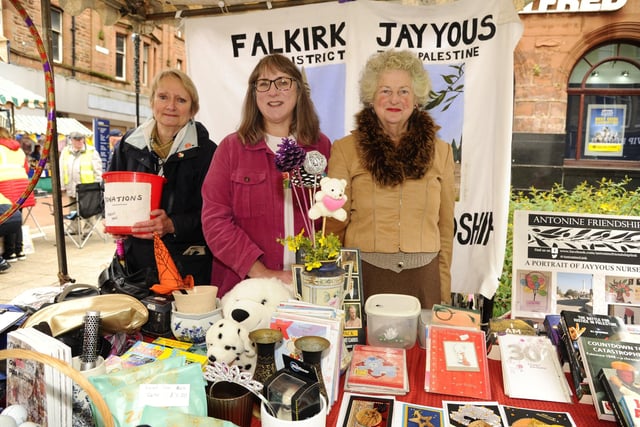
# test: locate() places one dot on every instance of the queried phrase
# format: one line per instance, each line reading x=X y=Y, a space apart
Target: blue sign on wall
x=101 y=140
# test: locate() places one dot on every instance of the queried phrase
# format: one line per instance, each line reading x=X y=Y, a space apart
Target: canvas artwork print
x=533 y=291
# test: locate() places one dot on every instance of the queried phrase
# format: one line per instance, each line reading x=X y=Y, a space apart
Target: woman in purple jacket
x=245 y=205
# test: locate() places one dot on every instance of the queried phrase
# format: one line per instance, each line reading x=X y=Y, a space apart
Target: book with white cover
x=531 y=369
x=43 y=390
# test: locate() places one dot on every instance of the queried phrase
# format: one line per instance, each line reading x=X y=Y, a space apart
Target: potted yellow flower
x=314 y=252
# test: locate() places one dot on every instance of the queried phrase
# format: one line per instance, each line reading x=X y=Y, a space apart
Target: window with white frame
x=121 y=56
x=56 y=35
x=144 y=76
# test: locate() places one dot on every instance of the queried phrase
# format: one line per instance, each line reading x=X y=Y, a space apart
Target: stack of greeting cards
x=375 y=369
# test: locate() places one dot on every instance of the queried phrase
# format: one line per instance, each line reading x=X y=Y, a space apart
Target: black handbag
x=116 y=279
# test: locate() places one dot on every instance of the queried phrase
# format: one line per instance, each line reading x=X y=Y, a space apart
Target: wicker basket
x=66 y=369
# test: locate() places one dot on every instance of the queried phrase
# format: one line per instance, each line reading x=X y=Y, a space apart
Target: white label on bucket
x=164 y=395
x=126 y=203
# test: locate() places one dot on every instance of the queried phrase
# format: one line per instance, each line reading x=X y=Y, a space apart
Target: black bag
x=116 y=279
x=77 y=290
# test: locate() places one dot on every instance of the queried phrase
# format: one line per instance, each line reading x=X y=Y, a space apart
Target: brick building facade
x=553 y=46
x=94 y=69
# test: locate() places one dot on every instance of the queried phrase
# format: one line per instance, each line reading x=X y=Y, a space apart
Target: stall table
x=584 y=415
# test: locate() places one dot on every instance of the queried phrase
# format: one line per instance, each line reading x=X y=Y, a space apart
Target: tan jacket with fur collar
x=399 y=198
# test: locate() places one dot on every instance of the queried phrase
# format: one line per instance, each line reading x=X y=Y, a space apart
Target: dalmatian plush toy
x=246 y=307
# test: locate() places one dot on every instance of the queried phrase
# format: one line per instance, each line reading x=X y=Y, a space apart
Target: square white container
x=392 y=320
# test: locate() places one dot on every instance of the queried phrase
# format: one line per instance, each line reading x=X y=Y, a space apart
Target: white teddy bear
x=330 y=199
x=246 y=307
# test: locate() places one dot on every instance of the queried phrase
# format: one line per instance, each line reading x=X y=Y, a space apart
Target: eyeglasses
x=282 y=83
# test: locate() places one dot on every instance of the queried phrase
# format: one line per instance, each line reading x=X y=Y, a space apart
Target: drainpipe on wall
x=73 y=46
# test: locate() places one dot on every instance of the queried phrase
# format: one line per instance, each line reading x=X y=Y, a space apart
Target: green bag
x=166 y=417
x=168 y=383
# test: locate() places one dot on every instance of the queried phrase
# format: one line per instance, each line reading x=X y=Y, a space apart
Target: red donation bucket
x=129 y=197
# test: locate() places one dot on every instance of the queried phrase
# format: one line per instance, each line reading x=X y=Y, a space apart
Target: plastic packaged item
x=392 y=320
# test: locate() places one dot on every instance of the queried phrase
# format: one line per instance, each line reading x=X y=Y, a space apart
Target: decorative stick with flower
x=300 y=169
x=304 y=169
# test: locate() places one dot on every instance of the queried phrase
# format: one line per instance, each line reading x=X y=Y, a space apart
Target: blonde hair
x=188 y=84
x=394 y=60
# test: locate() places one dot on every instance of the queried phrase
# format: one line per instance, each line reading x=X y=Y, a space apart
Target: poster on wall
x=578 y=262
x=466 y=46
x=605 y=130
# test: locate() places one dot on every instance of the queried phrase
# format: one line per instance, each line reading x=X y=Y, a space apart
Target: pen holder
x=230 y=401
x=82 y=414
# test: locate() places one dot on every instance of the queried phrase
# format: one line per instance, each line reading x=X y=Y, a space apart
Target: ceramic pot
x=193 y=327
x=324 y=285
x=81 y=402
x=200 y=299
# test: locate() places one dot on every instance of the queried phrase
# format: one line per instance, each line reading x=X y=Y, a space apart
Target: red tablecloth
x=584 y=415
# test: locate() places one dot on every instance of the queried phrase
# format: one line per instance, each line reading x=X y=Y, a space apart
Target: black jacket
x=181 y=199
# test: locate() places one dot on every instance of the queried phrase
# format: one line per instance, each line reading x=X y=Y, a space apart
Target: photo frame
x=348 y=323
x=353 y=295
x=297 y=270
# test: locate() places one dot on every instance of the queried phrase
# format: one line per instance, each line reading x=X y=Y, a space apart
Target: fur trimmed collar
x=391 y=165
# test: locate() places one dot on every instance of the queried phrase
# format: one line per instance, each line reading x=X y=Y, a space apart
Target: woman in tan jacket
x=400 y=184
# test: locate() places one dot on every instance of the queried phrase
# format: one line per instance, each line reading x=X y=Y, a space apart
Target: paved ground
x=42 y=268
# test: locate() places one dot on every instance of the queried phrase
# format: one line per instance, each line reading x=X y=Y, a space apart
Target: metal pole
x=136 y=73
x=63 y=274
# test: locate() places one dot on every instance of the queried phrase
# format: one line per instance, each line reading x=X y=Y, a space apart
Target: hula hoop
x=50 y=107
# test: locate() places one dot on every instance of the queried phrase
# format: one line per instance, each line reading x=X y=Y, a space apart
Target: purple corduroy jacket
x=243 y=209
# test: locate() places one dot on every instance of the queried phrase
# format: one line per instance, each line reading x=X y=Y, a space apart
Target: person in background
x=25 y=142
x=115 y=135
x=171 y=144
x=400 y=184
x=14 y=179
x=80 y=163
x=246 y=207
x=35 y=154
x=11 y=225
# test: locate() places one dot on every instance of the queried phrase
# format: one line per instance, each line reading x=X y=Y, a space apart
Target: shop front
x=577 y=75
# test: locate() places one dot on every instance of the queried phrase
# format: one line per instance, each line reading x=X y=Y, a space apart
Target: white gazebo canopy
x=16 y=95
x=38 y=124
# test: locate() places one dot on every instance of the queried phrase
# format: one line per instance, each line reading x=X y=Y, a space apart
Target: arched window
x=603 y=108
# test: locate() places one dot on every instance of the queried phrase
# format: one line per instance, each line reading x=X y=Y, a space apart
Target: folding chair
x=88 y=213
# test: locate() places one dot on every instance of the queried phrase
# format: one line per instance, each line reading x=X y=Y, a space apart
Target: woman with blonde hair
x=173 y=145
x=400 y=191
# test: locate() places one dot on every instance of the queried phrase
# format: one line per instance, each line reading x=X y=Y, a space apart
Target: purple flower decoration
x=290 y=156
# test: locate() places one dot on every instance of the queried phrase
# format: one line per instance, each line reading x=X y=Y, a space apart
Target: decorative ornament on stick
x=168 y=274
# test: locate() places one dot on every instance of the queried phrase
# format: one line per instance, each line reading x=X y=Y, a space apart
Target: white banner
x=467 y=47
